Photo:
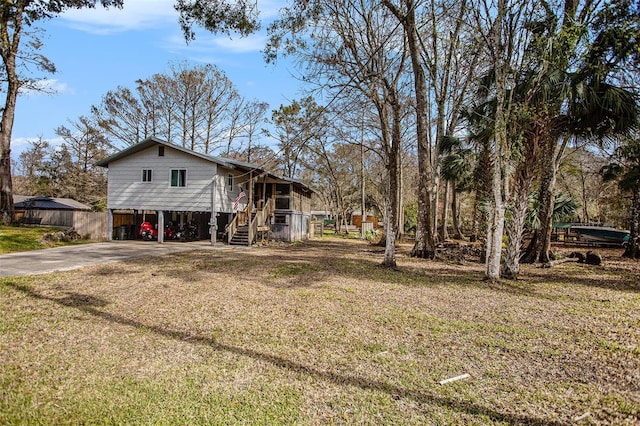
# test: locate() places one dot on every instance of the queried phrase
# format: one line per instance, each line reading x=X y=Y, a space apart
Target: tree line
x=517 y=83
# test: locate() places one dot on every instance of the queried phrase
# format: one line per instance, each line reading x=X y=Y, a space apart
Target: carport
x=126 y=223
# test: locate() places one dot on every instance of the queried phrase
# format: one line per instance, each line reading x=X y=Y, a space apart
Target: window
x=283 y=202
x=230 y=182
x=283 y=189
x=280 y=219
x=146 y=175
x=178 y=177
x=161 y=151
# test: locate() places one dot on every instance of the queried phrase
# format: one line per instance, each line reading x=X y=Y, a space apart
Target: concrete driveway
x=74 y=257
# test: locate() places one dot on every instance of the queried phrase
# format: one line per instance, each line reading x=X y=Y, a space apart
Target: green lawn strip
x=25 y=238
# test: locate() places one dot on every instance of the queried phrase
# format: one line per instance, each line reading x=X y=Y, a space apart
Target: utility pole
x=363 y=214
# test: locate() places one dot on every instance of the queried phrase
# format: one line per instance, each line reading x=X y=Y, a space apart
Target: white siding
x=225 y=197
x=127 y=191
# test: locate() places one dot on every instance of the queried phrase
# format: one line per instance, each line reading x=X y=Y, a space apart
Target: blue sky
x=96 y=50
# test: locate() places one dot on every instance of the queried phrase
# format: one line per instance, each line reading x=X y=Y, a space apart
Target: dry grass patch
x=319 y=333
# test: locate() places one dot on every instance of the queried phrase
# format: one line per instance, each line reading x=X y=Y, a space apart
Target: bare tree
x=123 y=117
x=358 y=57
x=244 y=125
x=68 y=170
x=190 y=106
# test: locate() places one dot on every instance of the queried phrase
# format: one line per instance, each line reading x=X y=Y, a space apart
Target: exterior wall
x=298 y=217
x=296 y=228
x=299 y=229
x=63 y=218
x=301 y=201
x=126 y=190
x=225 y=195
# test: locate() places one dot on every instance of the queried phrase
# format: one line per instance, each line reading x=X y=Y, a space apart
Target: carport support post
x=109 y=224
x=161 y=227
x=212 y=220
x=250 y=205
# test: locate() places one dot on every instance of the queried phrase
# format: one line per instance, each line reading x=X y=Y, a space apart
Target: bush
x=62 y=236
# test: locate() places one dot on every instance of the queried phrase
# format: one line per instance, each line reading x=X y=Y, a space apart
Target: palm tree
x=626 y=170
x=457 y=168
x=587 y=103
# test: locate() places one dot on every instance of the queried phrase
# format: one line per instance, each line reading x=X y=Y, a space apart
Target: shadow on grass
x=584 y=276
x=307 y=264
x=87 y=304
x=335 y=258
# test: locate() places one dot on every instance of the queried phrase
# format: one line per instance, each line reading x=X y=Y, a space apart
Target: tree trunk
x=515 y=230
x=547 y=205
x=499 y=172
x=9 y=51
x=390 y=228
x=393 y=155
x=425 y=242
x=7 y=212
x=455 y=215
x=632 y=250
x=495 y=228
x=400 y=221
x=444 y=233
x=551 y=155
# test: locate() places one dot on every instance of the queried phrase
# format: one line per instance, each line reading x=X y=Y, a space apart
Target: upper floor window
x=161 y=151
x=283 y=189
x=178 y=177
x=230 y=182
x=146 y=175
x=283 y=200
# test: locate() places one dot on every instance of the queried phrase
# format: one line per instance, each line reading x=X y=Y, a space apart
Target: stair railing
x=262 y=216
x=232 y=227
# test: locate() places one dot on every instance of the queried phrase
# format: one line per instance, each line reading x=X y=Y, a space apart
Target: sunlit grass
x=24 y=238
x=317 y=333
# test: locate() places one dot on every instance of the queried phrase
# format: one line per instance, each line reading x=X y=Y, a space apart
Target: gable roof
x=225 y=162
x=47 y=203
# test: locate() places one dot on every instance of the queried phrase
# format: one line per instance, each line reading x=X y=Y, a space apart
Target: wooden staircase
x=241 y=236
x=238 y=230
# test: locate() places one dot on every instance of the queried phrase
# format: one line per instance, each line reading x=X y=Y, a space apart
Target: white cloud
x=144 y=14
x=20 y=145
x=47 y=87
x=269 y=9
x=254 y=43
x=214 y=50
x=135 y=15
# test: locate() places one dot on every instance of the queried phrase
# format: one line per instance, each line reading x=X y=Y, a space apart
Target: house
x=170 y=186
x=40 y=210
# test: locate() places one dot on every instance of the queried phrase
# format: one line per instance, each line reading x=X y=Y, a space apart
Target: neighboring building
x=169 y=185
x=356 y=219
x=39 y=210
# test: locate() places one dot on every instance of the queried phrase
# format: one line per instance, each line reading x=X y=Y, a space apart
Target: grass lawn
x=24 y=238
x=318 y=333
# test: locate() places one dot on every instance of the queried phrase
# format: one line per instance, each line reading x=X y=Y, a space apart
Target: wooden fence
x=92 y=225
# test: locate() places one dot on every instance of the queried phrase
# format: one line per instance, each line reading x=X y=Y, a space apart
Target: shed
x=43 y=210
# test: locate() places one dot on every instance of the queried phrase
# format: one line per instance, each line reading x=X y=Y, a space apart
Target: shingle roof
x=47 y=203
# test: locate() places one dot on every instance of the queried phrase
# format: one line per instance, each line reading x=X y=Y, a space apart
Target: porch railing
x=259 y=219
x=232 y=227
